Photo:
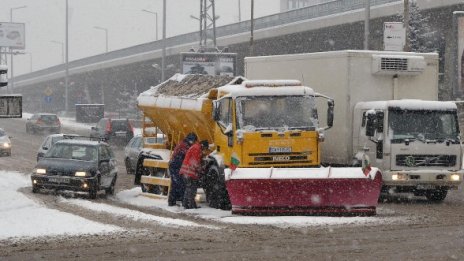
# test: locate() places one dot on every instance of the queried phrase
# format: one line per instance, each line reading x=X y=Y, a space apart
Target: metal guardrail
x=329 y=8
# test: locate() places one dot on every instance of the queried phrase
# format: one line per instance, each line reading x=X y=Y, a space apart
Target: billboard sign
x=11 y=106
x=209 y=63
x=12 y=35
x=394 y=36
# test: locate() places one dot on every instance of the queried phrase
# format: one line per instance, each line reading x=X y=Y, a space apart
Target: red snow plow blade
x=315 y=191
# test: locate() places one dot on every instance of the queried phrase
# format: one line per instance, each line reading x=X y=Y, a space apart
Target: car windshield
x=119 y=125
x=2 y=132
x=277 y=112
x=423 y=125
x=73 y=151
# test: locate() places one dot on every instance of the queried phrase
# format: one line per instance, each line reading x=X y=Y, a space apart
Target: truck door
x=224 y=135
x=372 y=145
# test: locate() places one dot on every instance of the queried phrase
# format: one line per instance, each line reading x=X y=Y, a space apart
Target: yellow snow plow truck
x=265 y=146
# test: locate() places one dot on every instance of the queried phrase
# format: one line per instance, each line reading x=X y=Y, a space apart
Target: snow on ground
x=132 y=214
x=20 y=216
x=133 y=197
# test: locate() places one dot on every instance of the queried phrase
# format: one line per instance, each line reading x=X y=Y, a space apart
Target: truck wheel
x=35 y=189
x=436 y=195
x=215 y=190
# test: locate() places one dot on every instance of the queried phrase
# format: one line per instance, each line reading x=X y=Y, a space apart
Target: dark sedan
x=77 y=165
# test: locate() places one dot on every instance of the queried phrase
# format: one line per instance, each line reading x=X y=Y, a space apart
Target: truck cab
x=416 y=143
x=269 y=126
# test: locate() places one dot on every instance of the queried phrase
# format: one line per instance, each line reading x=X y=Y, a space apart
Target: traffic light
x=3 y=75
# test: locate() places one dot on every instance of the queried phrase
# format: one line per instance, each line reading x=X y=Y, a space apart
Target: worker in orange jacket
x=191 y=170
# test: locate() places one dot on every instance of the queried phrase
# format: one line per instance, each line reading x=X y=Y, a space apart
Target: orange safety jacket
x=191 y=166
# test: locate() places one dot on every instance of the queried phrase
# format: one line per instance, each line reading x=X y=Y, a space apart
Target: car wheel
x=35 y=189
x=129 y=169
x=110 y=190
x=215 y=190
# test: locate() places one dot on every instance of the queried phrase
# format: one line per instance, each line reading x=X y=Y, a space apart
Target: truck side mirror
x=379 y=121
x=216 y=110
x=370 y=124
x=330 y=113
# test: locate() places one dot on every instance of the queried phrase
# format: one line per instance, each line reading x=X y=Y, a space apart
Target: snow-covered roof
x=79 y=142
x=409 y=104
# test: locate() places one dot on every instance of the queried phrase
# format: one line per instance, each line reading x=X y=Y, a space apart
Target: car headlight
x=6 y=145
x=40 y=171
x=455 y=177
x=80 y=174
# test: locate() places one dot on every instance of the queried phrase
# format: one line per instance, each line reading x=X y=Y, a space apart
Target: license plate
x=59 y=180
x=425 y=186
x=120 y=134
x=280 y=149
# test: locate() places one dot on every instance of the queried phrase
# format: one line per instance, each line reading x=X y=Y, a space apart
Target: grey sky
x=127 y=24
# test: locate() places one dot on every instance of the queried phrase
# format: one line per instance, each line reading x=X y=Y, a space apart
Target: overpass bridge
x=111 y=77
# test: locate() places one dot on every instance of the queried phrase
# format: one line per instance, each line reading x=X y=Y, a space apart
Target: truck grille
x=281 y=158
x=426 y=160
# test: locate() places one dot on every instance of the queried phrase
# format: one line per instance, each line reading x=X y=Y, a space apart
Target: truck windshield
x=276 y=113
x=423 y=125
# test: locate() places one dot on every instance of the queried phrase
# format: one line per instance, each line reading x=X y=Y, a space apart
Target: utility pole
x=239 y=12
x=163 y=58
x=207 y=20
x=252 y=28
x=406 y=25
x=66 y=77
x=366 y=24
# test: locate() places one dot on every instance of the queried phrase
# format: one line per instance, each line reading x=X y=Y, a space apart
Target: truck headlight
x=6 y=145
x=80 y=174
x=399 y=176
x=40 y=171
x=455 y=177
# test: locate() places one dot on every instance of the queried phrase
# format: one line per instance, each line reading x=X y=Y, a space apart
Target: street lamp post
x=106 y=35
x=30 y=61
x=62 y=49
x=12 y=67
x=66 y=75
x=156 y=21
x=163 y=57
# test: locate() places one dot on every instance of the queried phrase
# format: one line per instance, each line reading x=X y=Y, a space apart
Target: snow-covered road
x=23 y=216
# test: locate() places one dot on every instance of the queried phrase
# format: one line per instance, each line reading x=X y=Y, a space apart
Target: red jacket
x=191 y=166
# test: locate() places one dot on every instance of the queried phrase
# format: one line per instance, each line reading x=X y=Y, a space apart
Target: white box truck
x=386 y=106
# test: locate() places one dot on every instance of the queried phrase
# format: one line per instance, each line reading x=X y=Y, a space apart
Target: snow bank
x=20 y=216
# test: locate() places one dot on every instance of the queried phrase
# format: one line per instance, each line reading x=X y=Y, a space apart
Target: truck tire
x=436 y=195
x=215 y=189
